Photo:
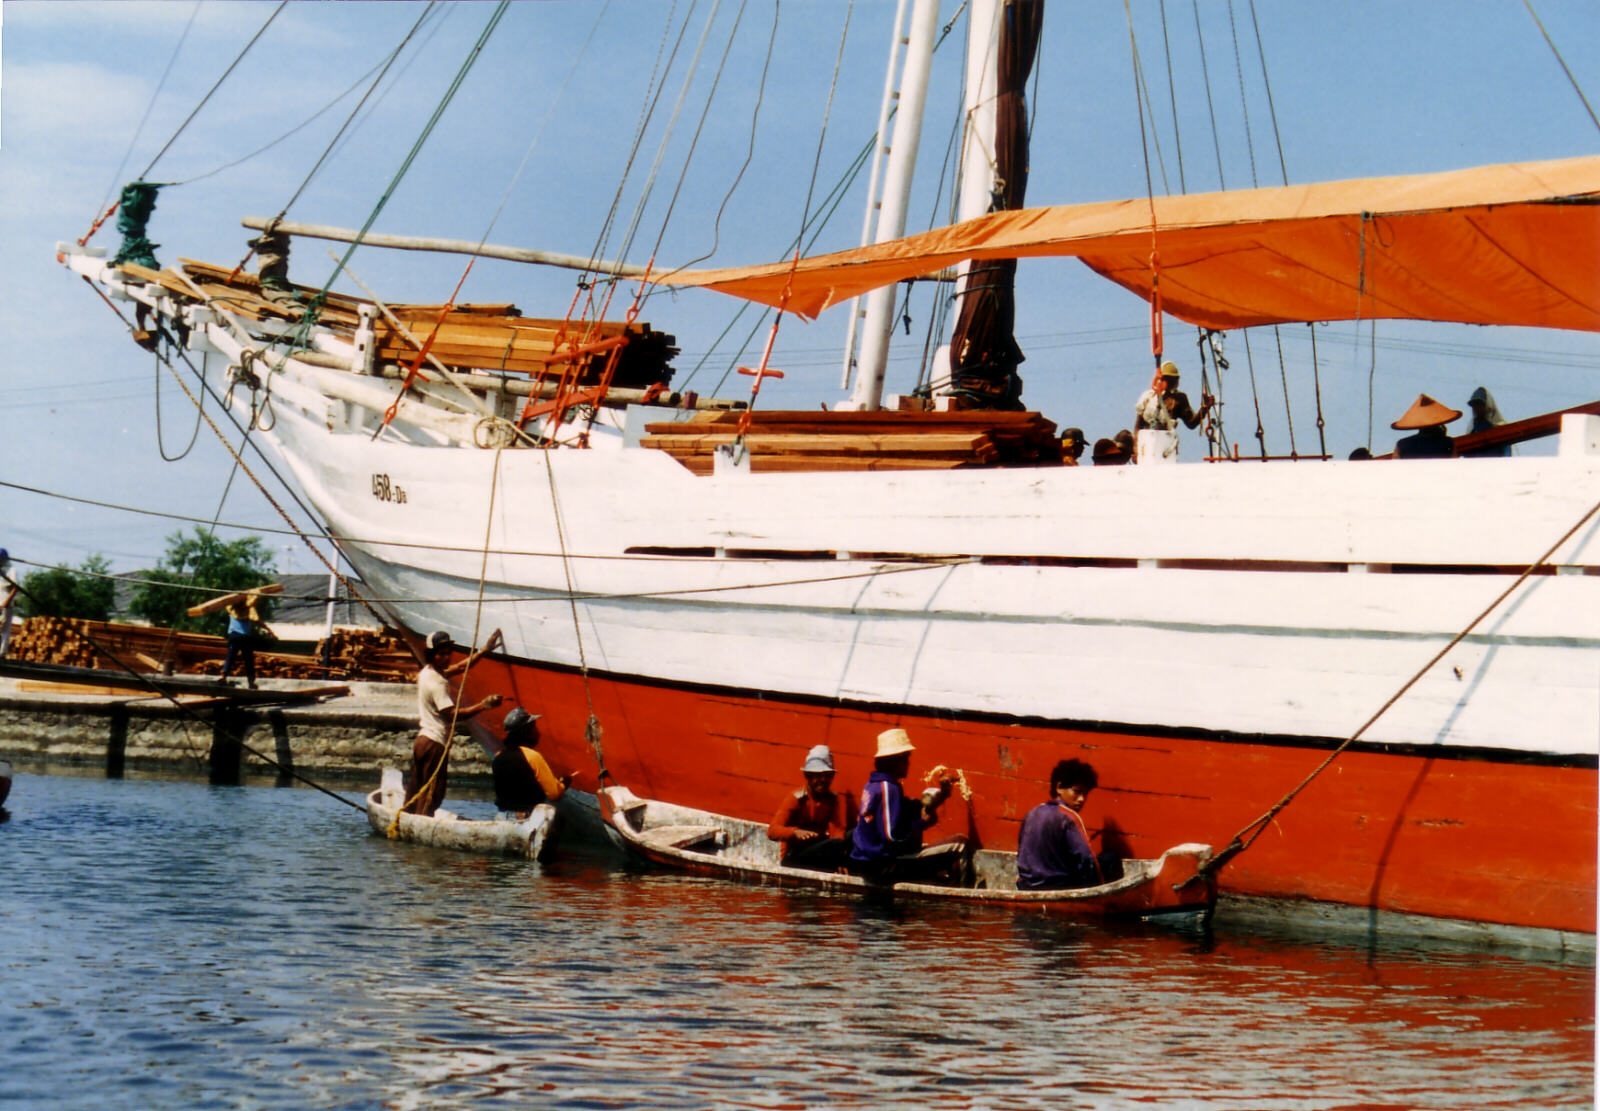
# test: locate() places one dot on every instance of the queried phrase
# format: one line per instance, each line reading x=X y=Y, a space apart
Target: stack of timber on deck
x=470 y=337
x=75 y=642
x=865 y=441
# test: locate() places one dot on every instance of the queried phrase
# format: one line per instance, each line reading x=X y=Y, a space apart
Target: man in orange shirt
x=814 y=823
x=522 y=778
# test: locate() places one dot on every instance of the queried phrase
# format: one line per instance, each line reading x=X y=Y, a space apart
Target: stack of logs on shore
x=862 y=441
x=361 y=654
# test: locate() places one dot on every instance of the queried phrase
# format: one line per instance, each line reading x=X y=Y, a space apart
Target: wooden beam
x=224 y=600
x=450 y=246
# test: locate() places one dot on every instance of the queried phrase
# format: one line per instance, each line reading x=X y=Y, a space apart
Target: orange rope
x=94 y=227
x=1157 y=340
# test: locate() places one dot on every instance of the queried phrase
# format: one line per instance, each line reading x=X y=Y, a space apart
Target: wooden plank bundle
x=371 y=654
x=862 y=441
x=75 y=642
x=378 y=656
x=493 y=337
x=529 y=345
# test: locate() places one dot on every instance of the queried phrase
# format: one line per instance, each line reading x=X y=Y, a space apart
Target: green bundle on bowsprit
x=138 y=201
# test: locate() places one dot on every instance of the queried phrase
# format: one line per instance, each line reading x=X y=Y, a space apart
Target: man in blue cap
x=522 y=777
x=814 y=822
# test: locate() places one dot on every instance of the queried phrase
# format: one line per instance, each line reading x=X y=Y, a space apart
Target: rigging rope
x=473 y=655
x=161 y=447
x=1266 y=82
x=405 y=166
x=243 y=466
x=1587 y=107
x=1156 y=343
x=1316 y=382
x=1211 y=107
x=117 y=179
x=1256 y=828
x=652 y=98
x=383 y=69
x=210 y=92
x=1172 y=92
x=592 y=731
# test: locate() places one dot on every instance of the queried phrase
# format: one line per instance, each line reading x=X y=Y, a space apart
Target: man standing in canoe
x=1053 y=850
x=522 y=777
x=886 y=846
x=814 y=823
x=436 y=713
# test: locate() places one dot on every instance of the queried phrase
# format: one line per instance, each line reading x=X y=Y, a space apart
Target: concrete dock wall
x=345 y=740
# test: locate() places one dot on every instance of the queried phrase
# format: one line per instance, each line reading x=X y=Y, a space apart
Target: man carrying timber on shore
x=436 y=713
x=8 y=601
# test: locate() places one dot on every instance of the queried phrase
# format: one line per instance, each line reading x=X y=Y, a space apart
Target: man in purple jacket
x=886 y=845
x=1053 y=850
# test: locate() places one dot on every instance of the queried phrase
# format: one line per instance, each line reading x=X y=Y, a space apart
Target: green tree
x=60 y=592
x=208 y=565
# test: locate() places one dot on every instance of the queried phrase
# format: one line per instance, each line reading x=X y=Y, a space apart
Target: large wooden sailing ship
x=693 y=595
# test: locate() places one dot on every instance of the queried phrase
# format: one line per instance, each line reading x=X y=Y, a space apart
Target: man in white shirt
x=436 y=711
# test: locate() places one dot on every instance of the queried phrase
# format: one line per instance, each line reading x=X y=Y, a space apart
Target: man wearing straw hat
x=1429 y=440
x=814 y=822
x=886 y=846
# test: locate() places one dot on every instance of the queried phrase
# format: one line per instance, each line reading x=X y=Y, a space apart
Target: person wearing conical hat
x=887 y=843
x=815 y=822
x=1426 y=420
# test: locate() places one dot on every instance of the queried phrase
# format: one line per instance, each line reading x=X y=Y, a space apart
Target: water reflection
x=173 y=944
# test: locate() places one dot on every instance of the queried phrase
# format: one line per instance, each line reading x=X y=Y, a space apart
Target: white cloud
x=68 y=104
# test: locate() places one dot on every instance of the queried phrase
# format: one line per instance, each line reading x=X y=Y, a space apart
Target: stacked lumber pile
x=870 y=441
x=528 y=345
x=74 y=642
x=379 y=656
x=51 y=640
x=471 y=337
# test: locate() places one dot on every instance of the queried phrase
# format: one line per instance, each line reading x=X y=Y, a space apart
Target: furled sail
x=983 y=348
x=1512 y=244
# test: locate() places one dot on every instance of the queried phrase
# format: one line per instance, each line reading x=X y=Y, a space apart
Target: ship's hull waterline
x=1203 y=635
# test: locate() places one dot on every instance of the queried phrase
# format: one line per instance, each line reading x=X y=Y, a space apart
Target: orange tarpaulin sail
x=1513 y=244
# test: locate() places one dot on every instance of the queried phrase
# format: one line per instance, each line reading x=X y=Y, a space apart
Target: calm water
x=174 y=945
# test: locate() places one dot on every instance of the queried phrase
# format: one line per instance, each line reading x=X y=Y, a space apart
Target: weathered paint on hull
x=1451 y=835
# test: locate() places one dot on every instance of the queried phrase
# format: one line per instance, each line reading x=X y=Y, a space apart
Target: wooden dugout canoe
x=716 y=845
x=534 y=837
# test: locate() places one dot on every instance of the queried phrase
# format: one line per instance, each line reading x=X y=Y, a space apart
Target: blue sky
x=1358 y=89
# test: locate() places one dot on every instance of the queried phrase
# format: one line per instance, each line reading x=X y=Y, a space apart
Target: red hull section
x=1511 y=842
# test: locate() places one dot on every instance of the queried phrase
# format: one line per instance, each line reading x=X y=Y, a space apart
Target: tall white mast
x=878 y=322
x=983 y=86
x=891 y=93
